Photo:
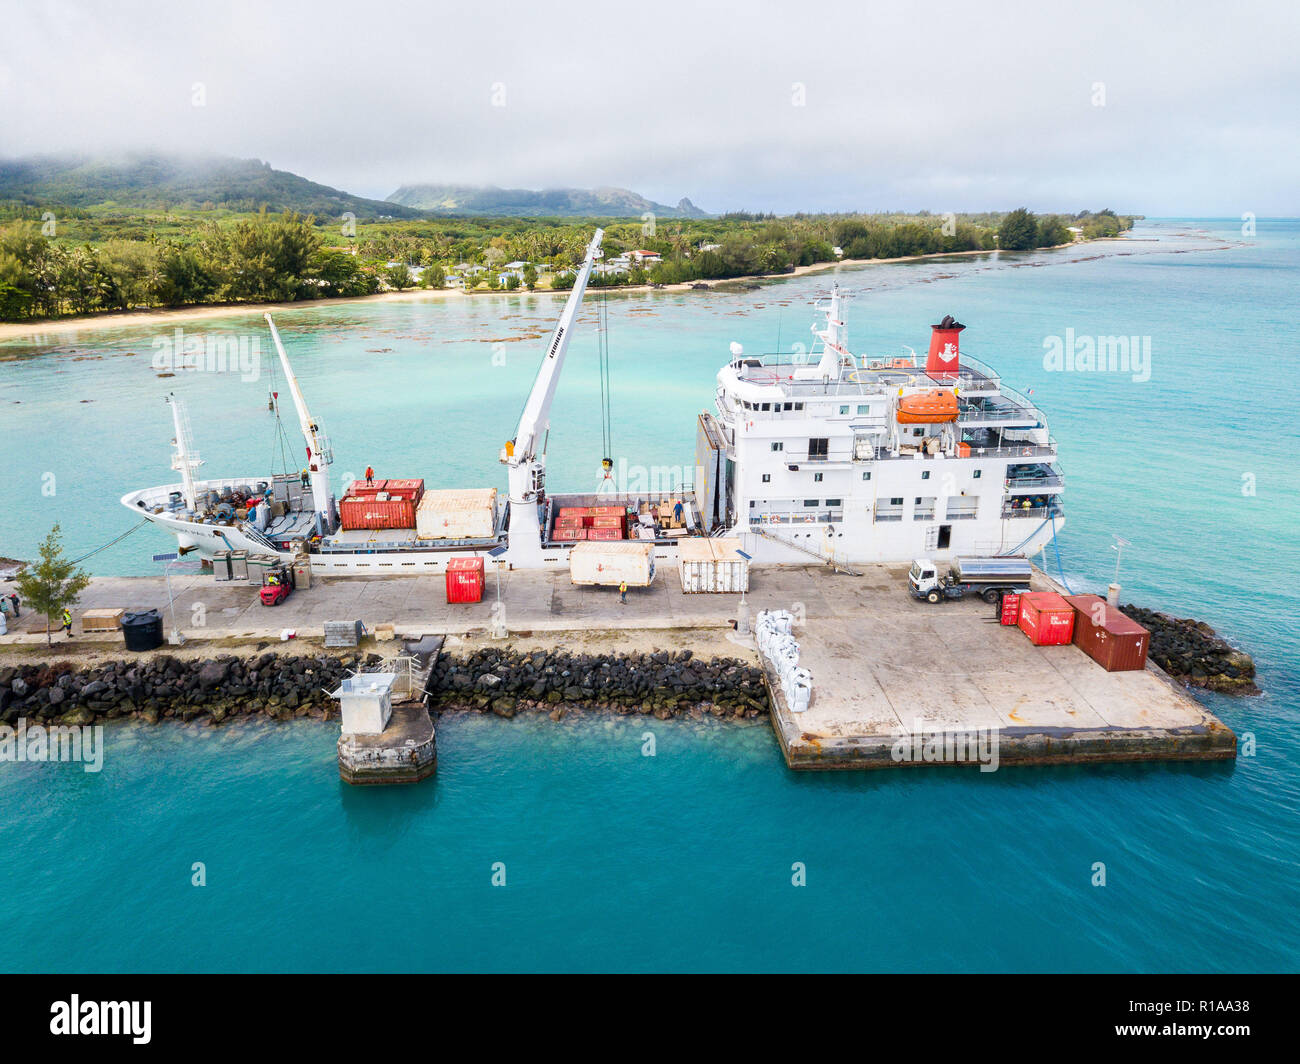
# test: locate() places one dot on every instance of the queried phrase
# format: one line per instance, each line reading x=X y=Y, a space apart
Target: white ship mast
x=185 y=459
x=526 y=468
x=319 y=453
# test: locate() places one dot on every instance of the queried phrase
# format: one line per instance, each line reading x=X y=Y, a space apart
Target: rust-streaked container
x=574 y=511
x=1046 y=618
x=360 y=487
x=412 y=489
x=465 y=580
x=607 y=522
x=604 y=533
x=1010 y=608
x=366 y=512
x=1115 y=642
x=607 y=511
x=569 y=535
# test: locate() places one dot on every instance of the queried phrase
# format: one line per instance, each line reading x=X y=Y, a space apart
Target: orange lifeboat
x=927 y=408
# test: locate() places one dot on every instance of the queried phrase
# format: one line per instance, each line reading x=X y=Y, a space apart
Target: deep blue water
x=683 y=861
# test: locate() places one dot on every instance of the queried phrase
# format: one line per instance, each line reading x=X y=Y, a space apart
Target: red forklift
x=277 y=583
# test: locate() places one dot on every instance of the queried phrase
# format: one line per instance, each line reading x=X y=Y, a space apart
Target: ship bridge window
x=834 y=502
x=925 y=474
x=766 y=406
x=810 y=503
x=977 y=474
x=866 y=475
x=767 y=478
x=819 y=448
x=817 y=478
x=865 y=408
x=778 y=446
x=844 y=410
x=789 y=406
x=896 y=502
x=798 y=406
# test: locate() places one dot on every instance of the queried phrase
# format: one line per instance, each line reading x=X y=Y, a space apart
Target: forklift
x=277 y=583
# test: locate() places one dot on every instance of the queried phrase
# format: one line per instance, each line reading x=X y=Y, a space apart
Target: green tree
x=399 y=277
x=435 y=276
x=54 y=583
x=530 y=276
x=1018 y=231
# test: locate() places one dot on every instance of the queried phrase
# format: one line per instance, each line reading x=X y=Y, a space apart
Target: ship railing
x=1014 y=450
x=1031 y=511
x=1031 y=483
x=797 y=517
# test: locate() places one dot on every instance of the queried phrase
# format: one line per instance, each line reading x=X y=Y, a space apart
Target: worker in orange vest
x=370 y=475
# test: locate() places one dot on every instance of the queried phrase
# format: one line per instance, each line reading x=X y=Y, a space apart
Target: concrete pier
x=406 y=751
x=884 y=665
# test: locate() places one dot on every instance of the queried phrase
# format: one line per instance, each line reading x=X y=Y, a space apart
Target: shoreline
x=40 y=331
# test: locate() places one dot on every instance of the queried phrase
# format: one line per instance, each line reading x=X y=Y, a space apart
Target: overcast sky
x=779 y=106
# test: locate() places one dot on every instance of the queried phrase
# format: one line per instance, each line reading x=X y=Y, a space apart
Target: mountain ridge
x=492 y=200
x=153 y=179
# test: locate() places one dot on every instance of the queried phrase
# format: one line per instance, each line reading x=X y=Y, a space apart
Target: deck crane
x=319 y=453
x=525 y=455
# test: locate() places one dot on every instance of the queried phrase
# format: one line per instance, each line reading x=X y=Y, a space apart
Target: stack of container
x=383 y=504
x=1046 y=618
x=577 y=523
x=1115 y=642
x=465 y=580
x=457 y=514
x=570 y=524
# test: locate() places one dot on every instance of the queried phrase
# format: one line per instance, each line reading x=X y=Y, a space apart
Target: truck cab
x=924 y=577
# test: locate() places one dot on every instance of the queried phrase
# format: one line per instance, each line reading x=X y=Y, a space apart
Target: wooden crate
x=101 y=620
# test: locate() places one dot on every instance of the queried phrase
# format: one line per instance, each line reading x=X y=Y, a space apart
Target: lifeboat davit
x=927 y=408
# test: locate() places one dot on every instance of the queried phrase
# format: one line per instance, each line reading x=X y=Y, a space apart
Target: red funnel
x=945 y=347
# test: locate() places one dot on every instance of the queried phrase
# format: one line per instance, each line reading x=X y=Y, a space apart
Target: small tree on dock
x=54 y=583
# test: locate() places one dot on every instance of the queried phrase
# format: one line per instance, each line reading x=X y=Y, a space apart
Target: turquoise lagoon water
x=683 y=860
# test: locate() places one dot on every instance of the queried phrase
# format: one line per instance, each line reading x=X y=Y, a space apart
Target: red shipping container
x=607 y=522
x=574 y=511
x=1046 y=618
x=1115 y=642
x=608 y=511
x=1010 y=608
x=604 y=533
x=360 y=487
x=465 y=580
x=405 y=489
x=366 y=512
x=569 y=535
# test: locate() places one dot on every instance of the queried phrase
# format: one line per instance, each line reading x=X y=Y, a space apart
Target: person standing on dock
x=67 y=623
x=622 y=592
x=13 y=599
x=370 y=475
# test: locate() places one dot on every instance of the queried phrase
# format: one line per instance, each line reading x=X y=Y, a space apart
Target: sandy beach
x=48 y=331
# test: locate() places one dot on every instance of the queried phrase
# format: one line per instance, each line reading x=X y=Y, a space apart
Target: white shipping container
x=712 y=565
x=457 y=514
x=609 y=562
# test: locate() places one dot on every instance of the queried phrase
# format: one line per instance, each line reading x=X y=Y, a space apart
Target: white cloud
x=949 y=107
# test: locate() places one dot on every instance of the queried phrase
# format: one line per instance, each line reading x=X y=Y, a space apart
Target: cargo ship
x=826 y=455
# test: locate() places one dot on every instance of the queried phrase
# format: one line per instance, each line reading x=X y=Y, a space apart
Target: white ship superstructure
x=827 y=456
x=857 y=459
